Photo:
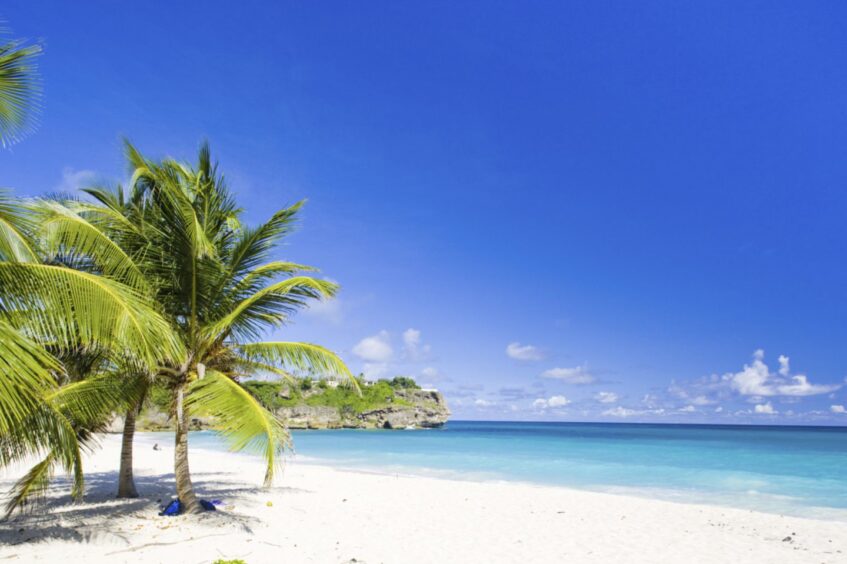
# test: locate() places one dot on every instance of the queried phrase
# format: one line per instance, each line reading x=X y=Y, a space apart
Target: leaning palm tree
x=19 y=89
x=177 y=236
x=107 y=248
x=48 y=308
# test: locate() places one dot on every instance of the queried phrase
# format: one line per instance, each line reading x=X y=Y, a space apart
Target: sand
x=325 y=515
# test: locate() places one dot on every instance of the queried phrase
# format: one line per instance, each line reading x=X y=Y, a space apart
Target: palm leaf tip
x=31 y=487
x=241 y=420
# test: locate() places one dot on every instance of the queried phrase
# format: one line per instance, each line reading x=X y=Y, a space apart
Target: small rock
x=787 y=539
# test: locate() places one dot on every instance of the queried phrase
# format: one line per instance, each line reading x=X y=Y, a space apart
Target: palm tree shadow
x=96 y=518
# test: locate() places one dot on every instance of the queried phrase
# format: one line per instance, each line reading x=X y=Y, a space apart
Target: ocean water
x=792 y=470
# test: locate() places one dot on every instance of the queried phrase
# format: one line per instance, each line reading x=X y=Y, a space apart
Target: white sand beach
x=323 y=515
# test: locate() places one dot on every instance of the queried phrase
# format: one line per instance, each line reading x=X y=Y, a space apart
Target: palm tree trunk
x=126 y=483
x=184 y=488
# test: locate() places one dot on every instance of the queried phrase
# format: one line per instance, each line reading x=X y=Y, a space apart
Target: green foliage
x=165 y=279
x=20 y=90
x=349 y=400
x=404 y=383
x=265 y=392
x=160 y=397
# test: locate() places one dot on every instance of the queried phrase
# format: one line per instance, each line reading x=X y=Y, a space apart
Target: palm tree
x=177 y=237
x=43 y=306
x=19 y=89
x=48 y=306
x=108 y=247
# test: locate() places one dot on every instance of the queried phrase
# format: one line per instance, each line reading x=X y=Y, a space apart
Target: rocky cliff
x=415 y=408
x=428 y=409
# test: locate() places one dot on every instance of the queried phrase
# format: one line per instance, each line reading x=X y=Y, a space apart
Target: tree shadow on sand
x=95 y=518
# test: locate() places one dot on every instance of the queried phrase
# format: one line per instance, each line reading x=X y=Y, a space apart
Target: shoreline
x=319 y=513
x=757 y=501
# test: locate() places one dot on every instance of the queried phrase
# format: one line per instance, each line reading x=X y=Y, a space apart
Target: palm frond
x=20 y=90
x=71 y=308
x=298 y=356
x=25 y=375
x=241 y=420
x=31 y=487
x=249 y=367
x=253 y=244
x=90 y=403
x=14 y=224
x=265 y=272
x=286 y=295
x=62 y=228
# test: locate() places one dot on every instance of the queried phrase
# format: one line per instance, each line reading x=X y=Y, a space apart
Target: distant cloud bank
x=575 y=375
x=518 y=351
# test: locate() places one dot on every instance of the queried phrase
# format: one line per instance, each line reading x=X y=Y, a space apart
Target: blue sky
x=564 y=211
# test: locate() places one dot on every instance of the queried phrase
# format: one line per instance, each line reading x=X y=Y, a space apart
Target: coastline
x=318 y=513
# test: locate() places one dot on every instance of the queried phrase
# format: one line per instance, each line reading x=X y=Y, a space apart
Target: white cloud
x=765 y=408
x=756 y=379
x=483 y=403
x=837 y=409
x=688 y=409
x=718 y=409
x=650 y=400
x=800 y=386
x=411 y=337
x=606 y=397
x=784 y=367
x=552 y=402
x=430 y=372
x=73 y=180
x=413 y=347
x=619 y=411
x=523 y=352
x=374 y=349
x=575 y=375
x=702 y=400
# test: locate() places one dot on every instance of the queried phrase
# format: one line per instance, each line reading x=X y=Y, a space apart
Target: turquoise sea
x=793 y=470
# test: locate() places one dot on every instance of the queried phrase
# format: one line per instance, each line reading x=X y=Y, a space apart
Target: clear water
x=793 y=470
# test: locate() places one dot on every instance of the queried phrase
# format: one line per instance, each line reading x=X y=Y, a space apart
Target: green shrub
x=404 y=383
x=343 y=397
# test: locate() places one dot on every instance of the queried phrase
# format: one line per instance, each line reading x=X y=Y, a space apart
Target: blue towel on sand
x=171 y=509
x=175 y=507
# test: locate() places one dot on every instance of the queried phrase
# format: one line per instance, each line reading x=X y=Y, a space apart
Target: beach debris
x=269 y=503
x=788 y=539
x=156 y=447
